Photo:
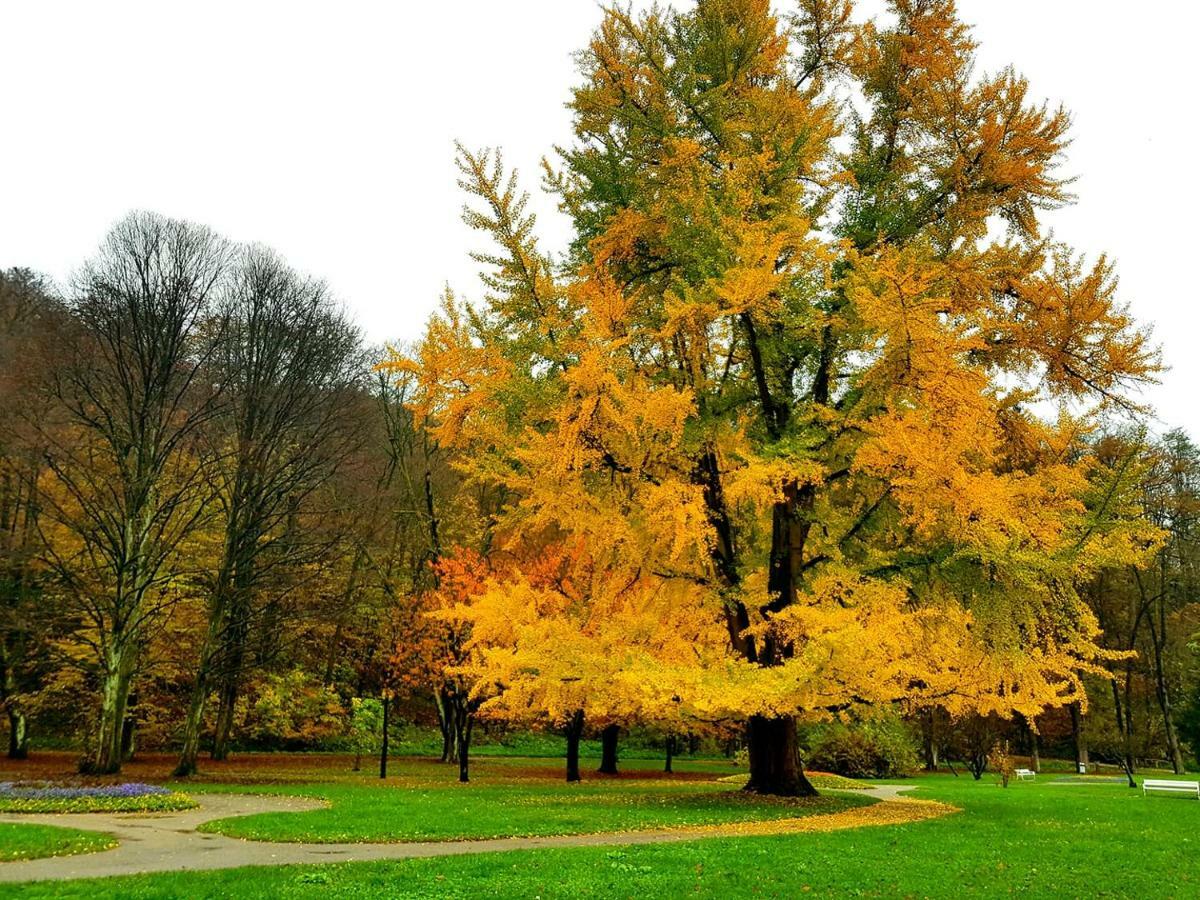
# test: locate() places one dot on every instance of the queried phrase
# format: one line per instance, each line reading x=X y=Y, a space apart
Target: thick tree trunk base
x=608 y=753
x=775 y=758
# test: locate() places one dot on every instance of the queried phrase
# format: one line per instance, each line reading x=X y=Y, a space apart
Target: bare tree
x=289 y=366
x=131 y=400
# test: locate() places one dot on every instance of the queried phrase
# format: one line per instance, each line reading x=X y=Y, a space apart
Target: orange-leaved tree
x=567 y=638
x=797 y=359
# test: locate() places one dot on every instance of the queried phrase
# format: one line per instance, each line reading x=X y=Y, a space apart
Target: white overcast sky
x=325 y=130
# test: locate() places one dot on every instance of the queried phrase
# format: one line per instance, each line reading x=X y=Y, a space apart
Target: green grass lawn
x=20 y=841
x=1034 y=839
x=367 y=811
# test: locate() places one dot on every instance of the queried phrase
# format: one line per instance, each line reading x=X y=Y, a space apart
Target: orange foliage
x=769 y=446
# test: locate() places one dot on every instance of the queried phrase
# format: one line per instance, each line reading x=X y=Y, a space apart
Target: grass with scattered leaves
x=21 y=841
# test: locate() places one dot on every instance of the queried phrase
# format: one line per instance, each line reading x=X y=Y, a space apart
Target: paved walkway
x=169 y=842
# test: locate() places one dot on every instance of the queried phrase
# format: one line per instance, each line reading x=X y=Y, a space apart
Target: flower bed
x=50 y=797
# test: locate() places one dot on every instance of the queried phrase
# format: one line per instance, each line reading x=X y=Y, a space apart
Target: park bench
x=1182 y=787
x=1022 y=774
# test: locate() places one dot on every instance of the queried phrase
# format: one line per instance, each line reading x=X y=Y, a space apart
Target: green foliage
x=366 y=724
x=293 y=710
x=1189 y=723
x=878 y=747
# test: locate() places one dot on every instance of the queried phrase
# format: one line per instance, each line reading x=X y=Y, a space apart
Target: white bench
x=1022 y=774
x=1180 y=787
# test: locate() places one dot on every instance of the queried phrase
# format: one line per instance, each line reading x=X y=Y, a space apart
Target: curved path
x=169 y=842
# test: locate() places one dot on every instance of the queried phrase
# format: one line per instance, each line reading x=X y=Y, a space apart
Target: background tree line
x=204 y=490
x=220 y=523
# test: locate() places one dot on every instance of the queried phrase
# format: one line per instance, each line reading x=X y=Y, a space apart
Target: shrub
x=292 y=711
x=1002 y=763
x=879 y=747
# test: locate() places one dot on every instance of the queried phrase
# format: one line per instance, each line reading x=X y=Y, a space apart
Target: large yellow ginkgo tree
x=811 y=355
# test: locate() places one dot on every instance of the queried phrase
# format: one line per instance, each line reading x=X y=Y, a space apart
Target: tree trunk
x=1127 y=759
x=929 y=739
x=463 y=742
x=445 y=725
x=189 y=752
x=231 y=656
x=18 y=733
x=1079 y=737
x=775 y=758
x=383 y=749
x=670 y=753
x=1158 y=639
x=118 y=677
x=227 y=700
x=1029 y=740
x=608 y=749
x=574 y=731
x=18 y=727
x=128 y=735
x=978 y=764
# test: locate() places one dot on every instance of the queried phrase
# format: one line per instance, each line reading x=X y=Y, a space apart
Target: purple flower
x=45 y=790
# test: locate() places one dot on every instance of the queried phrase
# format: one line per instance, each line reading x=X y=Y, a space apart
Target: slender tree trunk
x=929 y=739
x=383 y=749
x=129 y=731
x=574 y=731
x=1124 y=729
x=1079 y=737
x=189 y=751
x=118 y=678
x=463 y=740
x=670 y=742
x=775 y=758
x=608 y=749
x=1029 y=740
x=227 y=701
x=445 y=725
x=1035 y=757
x=1127 y=760
x=232 y=657
x=1163 y=692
